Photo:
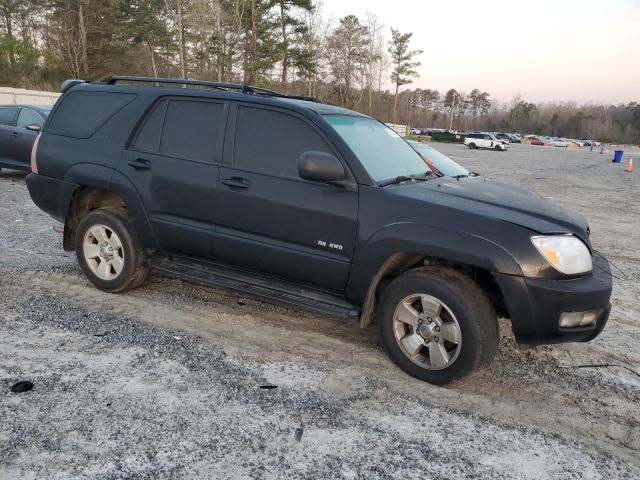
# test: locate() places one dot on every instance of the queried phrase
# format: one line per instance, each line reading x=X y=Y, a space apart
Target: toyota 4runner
x=313 y=206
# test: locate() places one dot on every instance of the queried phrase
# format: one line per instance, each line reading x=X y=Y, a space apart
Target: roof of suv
x=321 y=108
x=215 y=89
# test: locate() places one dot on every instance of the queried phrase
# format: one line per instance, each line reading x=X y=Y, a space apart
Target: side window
x=148 y=139
x=29 y=117
x=8 y=116
x=191 y=129
x=272 y=142
x=81 y=113
x=487 y=137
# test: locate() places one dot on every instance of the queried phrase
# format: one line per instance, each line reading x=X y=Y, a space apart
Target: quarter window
x=272 y=142
x=29 y=117
x=81 y=113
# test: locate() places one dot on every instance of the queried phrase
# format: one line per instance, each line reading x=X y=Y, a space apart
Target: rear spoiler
x=67 y=84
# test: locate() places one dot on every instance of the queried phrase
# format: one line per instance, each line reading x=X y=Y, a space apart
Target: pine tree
x=403 y=64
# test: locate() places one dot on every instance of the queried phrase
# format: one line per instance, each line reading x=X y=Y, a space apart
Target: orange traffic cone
x=629 y=166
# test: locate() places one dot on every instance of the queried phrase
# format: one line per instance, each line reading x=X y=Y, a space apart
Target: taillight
x=34 y=151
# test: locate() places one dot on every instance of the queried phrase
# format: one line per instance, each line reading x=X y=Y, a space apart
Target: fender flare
x=105 y=178
x=407 y=243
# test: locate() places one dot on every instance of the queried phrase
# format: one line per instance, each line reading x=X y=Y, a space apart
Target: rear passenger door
x=268 y=218
x=173 y=162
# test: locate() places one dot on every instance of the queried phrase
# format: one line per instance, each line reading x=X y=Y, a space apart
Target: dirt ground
x=165 y=381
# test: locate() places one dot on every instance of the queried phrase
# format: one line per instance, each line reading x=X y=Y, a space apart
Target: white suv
x=485 y=140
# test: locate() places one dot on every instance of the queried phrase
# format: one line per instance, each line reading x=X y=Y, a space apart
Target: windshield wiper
x=458 y=177
x=406 y=178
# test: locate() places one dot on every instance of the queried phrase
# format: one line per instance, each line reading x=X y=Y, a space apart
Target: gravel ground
x=167 y=381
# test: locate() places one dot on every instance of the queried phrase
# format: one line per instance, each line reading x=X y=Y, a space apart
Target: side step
x=270 y=289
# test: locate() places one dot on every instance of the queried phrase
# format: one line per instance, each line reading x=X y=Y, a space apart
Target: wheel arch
x=386 y=256
x=95 y=187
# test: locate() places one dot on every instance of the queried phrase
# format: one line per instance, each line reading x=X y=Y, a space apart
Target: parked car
x=533 y=140
x=19 y=127
x=485 y=140
x=315 y=206
x=438 y=162
x=515 y=138
x=503 y=136
x=559 y=142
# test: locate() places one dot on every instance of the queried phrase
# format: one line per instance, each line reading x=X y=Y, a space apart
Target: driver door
x=267 y=217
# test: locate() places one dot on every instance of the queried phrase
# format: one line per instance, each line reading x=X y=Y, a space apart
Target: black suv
x=310 y=205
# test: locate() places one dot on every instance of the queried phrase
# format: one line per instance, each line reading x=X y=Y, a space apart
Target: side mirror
x=324 y=167
x=34 y=127
x=320 y=167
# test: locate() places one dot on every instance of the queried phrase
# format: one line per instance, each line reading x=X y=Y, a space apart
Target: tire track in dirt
x=519 y=389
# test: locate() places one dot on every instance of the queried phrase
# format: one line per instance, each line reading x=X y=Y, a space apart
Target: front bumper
x=535 y=305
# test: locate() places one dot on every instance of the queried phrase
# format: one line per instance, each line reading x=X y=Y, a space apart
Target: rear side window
x=8 y=115
x=81 y=113
x=272 y=142
x=191 y=129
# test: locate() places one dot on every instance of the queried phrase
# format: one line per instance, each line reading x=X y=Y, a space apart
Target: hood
x=503 y=201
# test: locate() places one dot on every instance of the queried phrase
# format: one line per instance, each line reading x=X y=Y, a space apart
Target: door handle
x=15 y=134
x=140 y=164
x=235 y=182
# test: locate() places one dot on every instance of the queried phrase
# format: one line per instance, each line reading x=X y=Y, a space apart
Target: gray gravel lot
x=165 y=381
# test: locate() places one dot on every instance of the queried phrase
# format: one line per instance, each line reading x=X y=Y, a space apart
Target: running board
x=263 y=287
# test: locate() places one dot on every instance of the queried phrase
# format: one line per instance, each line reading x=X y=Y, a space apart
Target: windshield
x=439 y=161
x=382 y=152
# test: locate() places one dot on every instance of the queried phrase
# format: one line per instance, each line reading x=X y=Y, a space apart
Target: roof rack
x=248 y=89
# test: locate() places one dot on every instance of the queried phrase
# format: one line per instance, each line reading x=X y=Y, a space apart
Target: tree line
x=286 y=45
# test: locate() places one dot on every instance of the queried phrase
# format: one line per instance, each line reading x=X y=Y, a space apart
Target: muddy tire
x=109 y=251
x=437 y=324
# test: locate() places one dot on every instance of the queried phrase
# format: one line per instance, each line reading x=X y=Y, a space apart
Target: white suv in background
x=485 y=140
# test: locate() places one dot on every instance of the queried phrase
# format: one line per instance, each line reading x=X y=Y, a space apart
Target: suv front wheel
x=109 y=252
x=437 y=324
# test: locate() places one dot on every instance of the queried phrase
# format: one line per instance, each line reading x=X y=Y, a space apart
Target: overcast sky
x=584 y=51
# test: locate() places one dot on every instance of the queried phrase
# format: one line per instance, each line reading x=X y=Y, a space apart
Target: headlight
x=566 y=253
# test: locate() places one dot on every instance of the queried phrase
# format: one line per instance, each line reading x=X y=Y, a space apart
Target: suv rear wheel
x=472 y=145
x=437 y=324
x=109 y=252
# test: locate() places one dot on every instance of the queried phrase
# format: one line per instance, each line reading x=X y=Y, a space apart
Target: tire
x=498 y=148
x=113 y=263
x=462 y=302
x=472 y=146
